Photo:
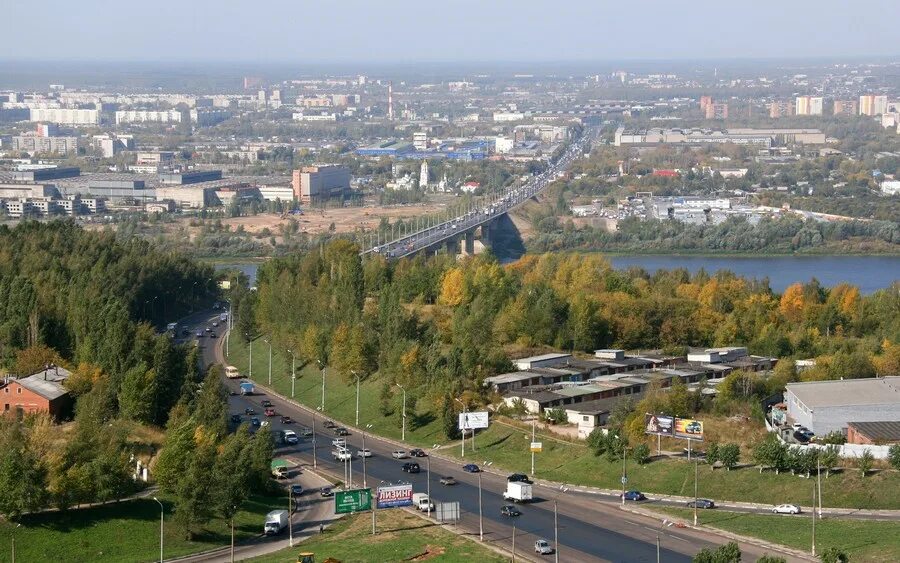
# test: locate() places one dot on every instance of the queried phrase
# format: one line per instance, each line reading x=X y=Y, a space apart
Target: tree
x=22 y=475
x=212 y=402
x=828 y=459
x=259 y=459
x=137 y=394
x=728 y=553
x=641 y=453
x=771 y=559
x=865 y=462
x=194 y=493
x=894 y=456
x=834 y=555
x=449 y=419
x=712 y=453
x=231 y=473
x=730 y=455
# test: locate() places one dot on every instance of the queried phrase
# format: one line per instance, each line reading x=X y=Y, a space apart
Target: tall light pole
x=250 y=345
x=232 y=536
x=532 y=449
x=462 y=442
x=624 y=476
x=269 y=342
x=403 y=415
x=357 y=397
x=321 y=363
x=480 y=512
x=314 y=441
x=514 y=543
x=293 y=373
x=562 y=489
x=368 y=426
x=291 y=516
x=162 y=514
x=14 y=544
x=814 y=521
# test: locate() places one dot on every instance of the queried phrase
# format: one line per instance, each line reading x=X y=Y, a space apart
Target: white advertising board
x=472 y=420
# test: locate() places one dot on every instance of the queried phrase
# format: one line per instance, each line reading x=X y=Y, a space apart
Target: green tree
x=894 y=456
x=259 y=459
x=449 y=419
x=829 y=459
x=712 y=453
x=864 y=462
x=231 y=473
x=730 y=455
x=212 y=402
x=641 y=453
x=834 y=555
x=137 y=394
x=195 y=492
x=728 y=553
x=22 y=475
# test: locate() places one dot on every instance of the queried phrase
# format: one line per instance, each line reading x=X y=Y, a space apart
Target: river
x=868 y=273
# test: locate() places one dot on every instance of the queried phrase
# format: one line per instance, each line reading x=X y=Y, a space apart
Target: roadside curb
x=778 y=548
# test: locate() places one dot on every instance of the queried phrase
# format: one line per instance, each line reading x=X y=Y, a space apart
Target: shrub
x=641 y=454
x=729 y=455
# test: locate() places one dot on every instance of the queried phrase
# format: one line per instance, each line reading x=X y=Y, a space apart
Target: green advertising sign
x=356 y=500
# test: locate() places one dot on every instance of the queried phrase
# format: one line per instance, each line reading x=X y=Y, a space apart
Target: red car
x=270 y=411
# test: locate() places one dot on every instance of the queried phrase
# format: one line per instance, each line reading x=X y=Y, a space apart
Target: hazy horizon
x=452 y=32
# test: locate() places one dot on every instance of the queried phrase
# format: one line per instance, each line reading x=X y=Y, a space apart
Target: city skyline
x=462 y=30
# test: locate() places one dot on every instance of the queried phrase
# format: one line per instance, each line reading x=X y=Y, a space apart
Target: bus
x=232 y=372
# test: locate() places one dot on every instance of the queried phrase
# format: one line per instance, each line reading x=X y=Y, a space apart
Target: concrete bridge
x=479 y=224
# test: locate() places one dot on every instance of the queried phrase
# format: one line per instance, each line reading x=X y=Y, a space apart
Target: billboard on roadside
x=394 y=496
x=660 y=424
x=688 y=428
x=472 y=420
x=356 y=500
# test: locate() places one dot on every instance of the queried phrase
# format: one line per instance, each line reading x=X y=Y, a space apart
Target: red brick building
x=873 y=433
x=40 y=392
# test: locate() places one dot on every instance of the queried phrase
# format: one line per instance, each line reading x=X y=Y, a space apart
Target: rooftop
x=887 y=431
x=848 y=392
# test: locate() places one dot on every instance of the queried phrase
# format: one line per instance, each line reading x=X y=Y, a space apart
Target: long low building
x=830 y=406
x=760 y=137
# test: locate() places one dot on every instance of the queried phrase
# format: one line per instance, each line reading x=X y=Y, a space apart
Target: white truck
x=276 y=522
x=341 y=454
x=422 y=502
x=518 y=492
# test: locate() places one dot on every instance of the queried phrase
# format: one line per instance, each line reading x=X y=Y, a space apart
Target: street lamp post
x=269 y=342
x=162 y=514
x=532 y=449
x=291 y=516
x=321 y=363
x=428 y=482
x=624 y=476
x=480 y=513
x=13 y=541
x=514 y=543
x=696 y=471
x=403 y=425
x=368 y=426
x=293 y=373
x=357 y=397
x=250 y=345
x=462 y=442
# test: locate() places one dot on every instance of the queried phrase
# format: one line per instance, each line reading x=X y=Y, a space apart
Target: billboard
x=472 y=420
x=537 y=447
x=688 y=428
x=395 y=495
x=356 y=500
x=661 y=424
x=447 y=512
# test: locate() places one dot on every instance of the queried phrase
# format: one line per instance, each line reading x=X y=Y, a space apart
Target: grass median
x=864 y=541
x=124 y=532
x=401 y=537
x=507 y=447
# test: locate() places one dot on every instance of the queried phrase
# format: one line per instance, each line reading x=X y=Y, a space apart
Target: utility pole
x=814 y=521
x=269 y=342
x=162 y=515
x=232 y=539
x=532 y=449
x=480 y=512
x=293 y=374
x=428 y=482
x=624 y=476
x=314 y=441
x=364 y=454
x=403 y=427
x=696 y=471
x=555 y=532
x=290 y=518
x=514 y=543
x=250 y=345
x=357 y=397
x=323 y=386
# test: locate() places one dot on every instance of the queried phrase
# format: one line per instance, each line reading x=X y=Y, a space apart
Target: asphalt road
x=590 y=528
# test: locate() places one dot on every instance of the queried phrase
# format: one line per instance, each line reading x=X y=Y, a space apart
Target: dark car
x=249 y=412
x=341 y=431
x=296 y=489
x=634 y=495
x=236 y=418
x=212 y=334
x=326 y=492
x=417 y=452
x=510 y=510
x=519 y=478
x=411 y=467
x=254 y=421
x=185 y=332
x=266 y=403
x=801 y=437
x=471 y=468
x=701 y=503
x=329 y=424
x=286 y=420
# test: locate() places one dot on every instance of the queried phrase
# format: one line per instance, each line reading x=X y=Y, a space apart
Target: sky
x=390 y=31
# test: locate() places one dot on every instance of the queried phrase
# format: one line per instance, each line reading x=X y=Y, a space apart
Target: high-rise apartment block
x=845 y=107
x=872 y=105
x=781 y=109
x=808 y=105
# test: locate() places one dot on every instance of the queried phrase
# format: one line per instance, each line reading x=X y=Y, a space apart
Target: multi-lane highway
x=590 y=528
x=492 y=207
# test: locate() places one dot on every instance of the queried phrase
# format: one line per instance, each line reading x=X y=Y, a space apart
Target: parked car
x=801 y=437
x=471 y=468
x=509 y=510
x=448 y=480
x=417 y=452
x=543 y=547
x=286 y=420
x=296 y=489
x=519 y=478
x=634 y=495
x=399 y=454
x=326 y=492
x=236 y=418
x=365 y=452
x=266 y=403
x=786 y=509
x=411 y=467
x=342 y=431
x=701 y=503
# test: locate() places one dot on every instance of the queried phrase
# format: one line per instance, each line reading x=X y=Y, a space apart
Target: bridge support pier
x=469 y=244
x=452 y=247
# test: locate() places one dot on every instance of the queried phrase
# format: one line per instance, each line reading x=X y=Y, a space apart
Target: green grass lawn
x=567 y=462
x=124 y=532
x=862 y=540
x=400 y=536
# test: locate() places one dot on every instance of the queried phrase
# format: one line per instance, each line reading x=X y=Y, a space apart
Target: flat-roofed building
x=845 y=107
x=321 y=182
x=150 y=116
x=66 y=116
x=871 y=104
x=808 y=105
x=36 y=144
x=830 y=406
x=191 y=177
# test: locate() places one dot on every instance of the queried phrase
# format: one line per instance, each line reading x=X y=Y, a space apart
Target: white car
x=786 y=509
x=543 y=547
x=399 y=454
x=291 y=437
x=339 y=443
x=364 y=453
x=264 y=423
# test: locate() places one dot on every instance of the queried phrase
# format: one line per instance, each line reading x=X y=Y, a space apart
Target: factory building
x=321 y=182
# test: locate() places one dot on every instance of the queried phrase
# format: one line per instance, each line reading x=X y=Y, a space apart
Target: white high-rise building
x=808 y=105
x=423 y=175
